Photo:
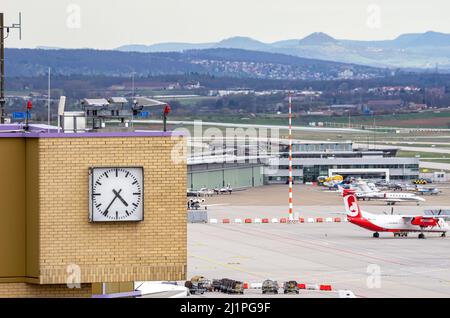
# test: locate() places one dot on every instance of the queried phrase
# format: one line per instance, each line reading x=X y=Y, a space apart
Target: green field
x=426 y=119
x=424 y=145
x=428 y=157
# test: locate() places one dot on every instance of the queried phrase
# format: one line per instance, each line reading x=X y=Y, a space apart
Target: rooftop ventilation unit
x=71 y=122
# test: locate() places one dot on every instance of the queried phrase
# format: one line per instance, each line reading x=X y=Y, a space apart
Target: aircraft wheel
x=376 y=235
x=443 y=234
x=421 y=236
x=397 y=234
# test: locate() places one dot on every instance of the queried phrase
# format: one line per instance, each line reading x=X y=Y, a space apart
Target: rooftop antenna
x=4 y=27
x=291 y=205
x=49 y=99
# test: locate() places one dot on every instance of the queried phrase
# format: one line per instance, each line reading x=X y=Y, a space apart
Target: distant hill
x=220 y=62
x=424 y=39
x=318 y=38
x=420 y=50
x=243 y=43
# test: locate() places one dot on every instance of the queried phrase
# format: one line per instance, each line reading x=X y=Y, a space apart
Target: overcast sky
x=107 y=24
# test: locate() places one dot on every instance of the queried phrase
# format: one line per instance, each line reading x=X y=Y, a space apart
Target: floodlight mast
x=3 y=27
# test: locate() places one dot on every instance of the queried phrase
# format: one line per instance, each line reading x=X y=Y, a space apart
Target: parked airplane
x=331 y=182
x=427 y=191
x=203 y=192
x=366 y=192
x=227 y=190
x=400 y=225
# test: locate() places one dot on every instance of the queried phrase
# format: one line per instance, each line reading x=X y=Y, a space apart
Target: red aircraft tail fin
x=351 y=204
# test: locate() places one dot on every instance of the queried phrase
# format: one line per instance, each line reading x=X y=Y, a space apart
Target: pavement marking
x=342 y=250
x=236 y=268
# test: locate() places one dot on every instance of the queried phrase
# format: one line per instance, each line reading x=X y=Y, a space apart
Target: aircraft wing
x=410 y=217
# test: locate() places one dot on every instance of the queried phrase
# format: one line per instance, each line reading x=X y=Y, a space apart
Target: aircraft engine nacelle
x=424 y=222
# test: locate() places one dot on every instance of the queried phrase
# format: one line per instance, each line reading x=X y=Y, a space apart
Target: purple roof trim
x=41 y=132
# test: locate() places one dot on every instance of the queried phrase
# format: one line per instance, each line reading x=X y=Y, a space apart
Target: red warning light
x=29 y=105
x=167 y=110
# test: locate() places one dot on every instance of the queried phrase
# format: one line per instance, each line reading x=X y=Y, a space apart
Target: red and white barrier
x=276 y=220
x=301 y=286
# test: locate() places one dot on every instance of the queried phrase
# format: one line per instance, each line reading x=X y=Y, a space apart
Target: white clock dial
x=116 y=194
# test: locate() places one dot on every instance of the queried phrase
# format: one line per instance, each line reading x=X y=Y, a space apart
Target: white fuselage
x=396 y=223
x=389 y=196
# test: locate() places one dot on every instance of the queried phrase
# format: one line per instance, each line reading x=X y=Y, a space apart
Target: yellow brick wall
x=155 y=249
x=14 y=290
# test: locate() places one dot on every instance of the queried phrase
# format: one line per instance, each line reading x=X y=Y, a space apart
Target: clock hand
x=120 y=197
x=114 y=199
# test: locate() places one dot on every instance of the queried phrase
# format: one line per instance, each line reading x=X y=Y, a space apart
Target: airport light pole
x=49 y=100
x=291 y=204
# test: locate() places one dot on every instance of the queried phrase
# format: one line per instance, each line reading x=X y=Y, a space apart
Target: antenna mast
x=3 y=27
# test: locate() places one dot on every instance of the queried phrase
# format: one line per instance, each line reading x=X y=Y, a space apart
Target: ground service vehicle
x=291 y=287
x=195 y=287
x=207 y=284
x=216 y=284
x=237 y=288
x=270 y=287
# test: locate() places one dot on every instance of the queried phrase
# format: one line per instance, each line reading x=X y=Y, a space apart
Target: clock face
x=116 y=194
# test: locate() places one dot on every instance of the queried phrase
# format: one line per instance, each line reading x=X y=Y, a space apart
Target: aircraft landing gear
x=397 y=234
x=421 y=236
x=443 y=234
x=376 y=235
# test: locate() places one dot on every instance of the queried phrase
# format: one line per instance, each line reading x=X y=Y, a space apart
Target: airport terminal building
x=311 y=159
x=314 y=159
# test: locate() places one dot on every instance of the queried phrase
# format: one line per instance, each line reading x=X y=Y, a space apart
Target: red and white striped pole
x=291 y=204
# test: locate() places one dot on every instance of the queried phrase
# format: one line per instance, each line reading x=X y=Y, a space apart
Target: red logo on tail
x=351 y=205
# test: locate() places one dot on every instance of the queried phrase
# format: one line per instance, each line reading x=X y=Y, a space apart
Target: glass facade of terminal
x=311 y=160
x=314 y=147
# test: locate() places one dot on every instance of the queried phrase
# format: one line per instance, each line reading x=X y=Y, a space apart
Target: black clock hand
x=120 y=197
x=115 y=197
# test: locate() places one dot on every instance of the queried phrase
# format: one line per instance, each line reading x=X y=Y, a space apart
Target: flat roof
x=45 y=131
